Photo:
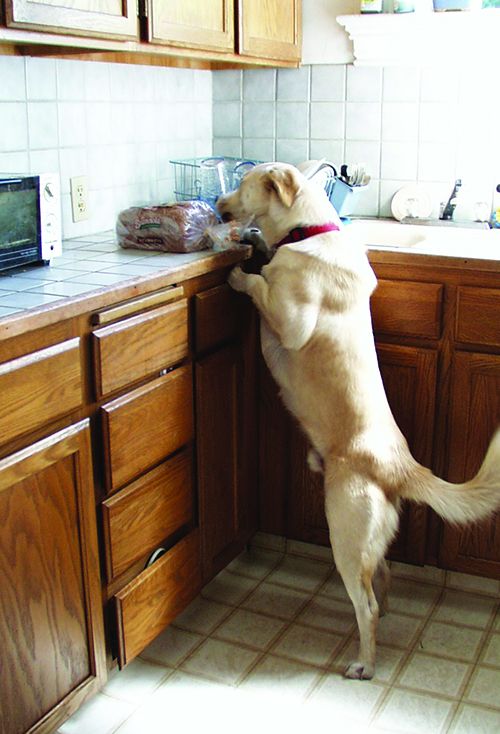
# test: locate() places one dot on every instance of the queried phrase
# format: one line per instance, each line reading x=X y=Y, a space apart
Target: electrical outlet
x=79 y=198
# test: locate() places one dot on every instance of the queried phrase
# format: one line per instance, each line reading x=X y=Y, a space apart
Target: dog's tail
x=459 y=503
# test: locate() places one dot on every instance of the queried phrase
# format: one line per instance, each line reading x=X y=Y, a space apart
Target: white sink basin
x=384 y=233
x=450 y=240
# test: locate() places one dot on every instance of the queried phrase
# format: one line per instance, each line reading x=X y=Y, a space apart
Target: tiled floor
x=265 y=643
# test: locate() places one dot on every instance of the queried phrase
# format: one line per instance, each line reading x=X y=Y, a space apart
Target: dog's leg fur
x=381 y=584
x=362 y=522
x=293 y=323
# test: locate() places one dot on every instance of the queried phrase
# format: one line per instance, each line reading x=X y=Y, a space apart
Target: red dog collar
x=302 y=233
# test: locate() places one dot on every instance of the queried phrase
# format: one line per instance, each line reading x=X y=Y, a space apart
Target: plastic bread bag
x=226 y=235
x=168 y=227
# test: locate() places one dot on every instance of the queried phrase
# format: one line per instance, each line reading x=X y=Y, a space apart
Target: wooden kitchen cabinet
x=115 y=379
x=270 y=29
x=140 y=346
x=212 y=32
x=225 y=425
x=437 y=333
x=458 y=321
x=410 y=379
x=99 y=18
x=190 y=24
x=146 y=605
x=51 y=628
x=39 y=387
x=147 y=466
x=155 y=419
x=474 y=417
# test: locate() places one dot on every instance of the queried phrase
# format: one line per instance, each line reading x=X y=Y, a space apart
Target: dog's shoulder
x=331 y=260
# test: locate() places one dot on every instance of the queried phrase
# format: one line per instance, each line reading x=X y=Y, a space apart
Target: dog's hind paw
x=359 y=671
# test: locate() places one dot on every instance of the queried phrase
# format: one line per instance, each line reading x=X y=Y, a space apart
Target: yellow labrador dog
x=317 y=339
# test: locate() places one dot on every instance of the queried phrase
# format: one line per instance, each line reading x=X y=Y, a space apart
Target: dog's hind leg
x=361 y=523
x=381 y=583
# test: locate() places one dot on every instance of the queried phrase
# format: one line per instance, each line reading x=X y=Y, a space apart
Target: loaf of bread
x=168 y=227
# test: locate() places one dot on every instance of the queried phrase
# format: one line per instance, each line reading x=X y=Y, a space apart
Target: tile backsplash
x=120 y=124
x=427 y=126
x=117 y=124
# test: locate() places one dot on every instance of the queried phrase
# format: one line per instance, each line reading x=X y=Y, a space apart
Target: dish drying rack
x=206 y=179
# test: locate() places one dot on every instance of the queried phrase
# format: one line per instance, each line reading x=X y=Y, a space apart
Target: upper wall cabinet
x=190 y=24
x=100 y=18
x=219 y=32
x=270 y=29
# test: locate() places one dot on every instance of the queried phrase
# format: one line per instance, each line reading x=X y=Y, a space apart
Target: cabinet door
x=270 y=29
x=106 y=18
x=409 y=376
x=51 y=627
x=474 y=416
x=192 y=24
x=306 y=516
x=225 y=483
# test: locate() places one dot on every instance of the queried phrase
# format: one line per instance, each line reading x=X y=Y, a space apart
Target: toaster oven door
x=20 y=238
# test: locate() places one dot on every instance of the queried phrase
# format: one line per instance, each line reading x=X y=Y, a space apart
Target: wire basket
x=207 y=178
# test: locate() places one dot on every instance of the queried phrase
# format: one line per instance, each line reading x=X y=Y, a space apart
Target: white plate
x=412 y=200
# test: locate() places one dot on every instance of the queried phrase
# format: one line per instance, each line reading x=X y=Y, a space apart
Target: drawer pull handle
x=135 y=305
x=155 y=555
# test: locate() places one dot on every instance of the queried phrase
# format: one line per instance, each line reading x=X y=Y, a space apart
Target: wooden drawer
x=139 y=346
x=143 y=427
x=407 y=308
x=140 y=517
x=39 y=387
x=216 y=316
x=146 y=605
x=478 y=316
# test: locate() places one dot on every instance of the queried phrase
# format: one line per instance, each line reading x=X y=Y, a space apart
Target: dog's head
x=264 y=190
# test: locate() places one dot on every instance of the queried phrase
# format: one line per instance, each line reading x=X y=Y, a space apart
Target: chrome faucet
x=450 y=205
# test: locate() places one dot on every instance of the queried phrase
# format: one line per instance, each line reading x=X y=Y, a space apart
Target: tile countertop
x=94 y=266
x=89 y=271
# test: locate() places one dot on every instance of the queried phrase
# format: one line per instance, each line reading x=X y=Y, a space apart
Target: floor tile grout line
x=324 y=670
x=380 y=705
x=477 y=661
x=287 y=625
x=234 y=608
x=139 y=705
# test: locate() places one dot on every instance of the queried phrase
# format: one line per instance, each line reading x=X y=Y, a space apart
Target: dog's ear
x=285 y=183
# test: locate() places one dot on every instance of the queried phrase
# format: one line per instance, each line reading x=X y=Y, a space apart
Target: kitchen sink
x=427 y=235
x=387 y=233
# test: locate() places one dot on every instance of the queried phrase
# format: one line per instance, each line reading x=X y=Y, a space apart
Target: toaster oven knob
x=47 y=192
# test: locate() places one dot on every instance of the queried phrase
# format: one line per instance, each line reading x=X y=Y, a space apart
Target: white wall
x=408 y=125
x=120 y=125
x=117 y=124
x=324 y=41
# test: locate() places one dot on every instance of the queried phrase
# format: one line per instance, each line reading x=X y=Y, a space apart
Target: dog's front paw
x=359 y=671
x=237 y=279
x=315 y=461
